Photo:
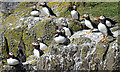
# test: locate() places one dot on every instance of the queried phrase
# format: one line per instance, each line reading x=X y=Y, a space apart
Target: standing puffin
x=89 y=23
x=35 y=12
x=104 y=29
x=68 y=31
x=12 y=60
x=74 y=13
x=109 y=22
x=47 y=9
x=43 y=46
x=37 y=52
x=60 y=37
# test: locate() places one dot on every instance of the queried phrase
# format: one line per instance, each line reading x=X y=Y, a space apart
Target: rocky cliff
x=85 y=51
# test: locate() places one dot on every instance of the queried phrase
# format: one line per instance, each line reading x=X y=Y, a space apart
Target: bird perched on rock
x=37 y=52
x=74 y=13
x=68 y=31
x=12 y=60
x=89 y=23
x=108 y=21
x=60 y=37
x=104 y=29
x=43 y=46
x=47 y=9
x=35 y=12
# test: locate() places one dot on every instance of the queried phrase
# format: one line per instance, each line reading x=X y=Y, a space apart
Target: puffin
x=109 y=22
x=74 y=13
x=43 y=46
x=68 y=31
x=35 y=12
x=89 y=23
x=47 y=10
x=12 y=60
x=60 y=37
x=37 y=52
x=104 y=29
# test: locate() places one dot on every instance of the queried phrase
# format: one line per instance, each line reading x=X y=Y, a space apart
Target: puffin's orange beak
x=82 y=16
x=62 y=25
x=56 y=32
x=98 y=19
x=39 y=4
x=36 y=40
x=32 y=45
x=8 y=55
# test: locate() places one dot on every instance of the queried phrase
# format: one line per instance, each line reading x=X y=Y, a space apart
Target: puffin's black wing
x=109 y=31
x=113 y=22
x=51 y=12
x=21 y=51
x=6 y=45
x=71 y=31
x=94 y=24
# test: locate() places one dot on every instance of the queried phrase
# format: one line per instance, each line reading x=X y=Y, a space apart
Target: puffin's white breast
x=60 y=39
x=67 y=31
x=108 y=23
x=102 y=28
x=74 y=14
x=43 y=46
x=46 y=10
x=35 y=13
x=88 y=24
x=36 y=53
x=12 y=61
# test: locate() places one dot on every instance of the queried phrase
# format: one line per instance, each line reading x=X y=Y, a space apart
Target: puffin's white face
x=85 y=15
x=42 y=3
x=34 y=7
x=102 y=17
x=11 y=54
x=74 y=7
x=39 y=39
x=34 y=44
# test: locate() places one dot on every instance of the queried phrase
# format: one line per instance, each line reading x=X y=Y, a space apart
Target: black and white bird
x=74 y=13
x=37 y=52
x=60 y=37
x=68 y=31
x=43 y=46
x=12 y=60
x=104 y=29
x=89 y=23
x=108 y=21
x=47 y=9
x=35 y=12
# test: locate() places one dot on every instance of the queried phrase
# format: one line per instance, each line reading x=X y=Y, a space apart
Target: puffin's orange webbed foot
x=57 y=43
x=48 y=16
x=89 y=32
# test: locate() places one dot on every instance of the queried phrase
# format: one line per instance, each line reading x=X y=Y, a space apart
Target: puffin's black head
x=86 y=16
x=35 y=45
x=74 y=7
x=64 y=24
x=35 y=6
x=39 y=39
x=43 y=4
x=102 y=19
x=11 y=54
